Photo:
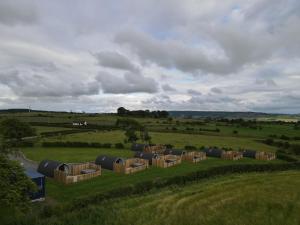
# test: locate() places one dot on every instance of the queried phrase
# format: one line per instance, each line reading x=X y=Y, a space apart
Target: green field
x=260 y=199
x=40 y=129
x=177 y=139
x=110 y=180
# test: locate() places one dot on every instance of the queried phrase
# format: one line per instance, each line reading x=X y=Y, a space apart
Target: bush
x=169 y=146
x=190 y=147
x=119 y=145
x=77 y=144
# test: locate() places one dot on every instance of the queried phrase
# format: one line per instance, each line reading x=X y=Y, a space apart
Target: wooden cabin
x=232 y=155
x=120 y=165
x=213 y=152
x=157 y=160
x=259 y=155
x=194 y=156
x=220 y=153
x=69 y=173
x=77 y=172
x=159 y=149
x=180 y=153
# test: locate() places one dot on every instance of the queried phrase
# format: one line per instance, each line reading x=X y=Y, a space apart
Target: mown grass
x=40 y=129
x=110 y=180
x=260 y=199
x=73 y=154
x=179 y=140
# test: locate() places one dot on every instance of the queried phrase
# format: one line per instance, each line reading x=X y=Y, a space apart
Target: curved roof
x=213 y=152
x=147 y=156
x=138 y=147
x=47 y=167
x=107 y=162
x=249 y=153
x=174 y=152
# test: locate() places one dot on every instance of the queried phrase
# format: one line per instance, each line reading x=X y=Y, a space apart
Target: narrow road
x=26 y=163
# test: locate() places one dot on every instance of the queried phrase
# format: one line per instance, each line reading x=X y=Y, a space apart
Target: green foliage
x=77 y=144
x=131 y=135
x=14 y=185
x=15 y=129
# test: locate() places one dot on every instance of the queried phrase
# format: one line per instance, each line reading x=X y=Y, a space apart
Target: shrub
x=190 y=147
x=119 y=145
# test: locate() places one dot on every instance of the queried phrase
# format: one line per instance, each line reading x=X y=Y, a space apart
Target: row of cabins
x=145 y=155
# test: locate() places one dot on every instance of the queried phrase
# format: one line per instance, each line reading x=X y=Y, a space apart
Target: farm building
x=194 y=156
x=119 y=165
x=39 y=180
x=148 y=148
x=159 y=160
x=69 y=173
x=259 y=155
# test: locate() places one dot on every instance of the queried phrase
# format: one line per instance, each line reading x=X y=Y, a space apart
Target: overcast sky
x=95 y=55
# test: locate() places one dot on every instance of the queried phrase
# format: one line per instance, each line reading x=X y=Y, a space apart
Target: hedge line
x=180 y=180
x=146 y=186
x=82 y=144
x=62 y=132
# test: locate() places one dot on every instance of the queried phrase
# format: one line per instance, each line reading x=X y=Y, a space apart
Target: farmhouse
x=39 y=180
x=259 y=155
x=69 y=173
x=80 y=123
x=119 y=165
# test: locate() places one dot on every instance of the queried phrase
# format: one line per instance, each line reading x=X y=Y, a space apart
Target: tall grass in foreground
x=248 y=199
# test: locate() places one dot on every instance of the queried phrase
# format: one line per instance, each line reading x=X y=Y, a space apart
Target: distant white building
x=82 y=123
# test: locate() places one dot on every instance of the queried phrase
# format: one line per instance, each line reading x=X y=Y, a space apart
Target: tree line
x=142 y=113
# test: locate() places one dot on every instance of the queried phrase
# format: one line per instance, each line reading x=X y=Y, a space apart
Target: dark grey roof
x=138 y=147
x=174 y=152
x=147 y=156
x=31 y=173
x=213 y=152
x=249 y=153
x=107 y=162
x=47 y=167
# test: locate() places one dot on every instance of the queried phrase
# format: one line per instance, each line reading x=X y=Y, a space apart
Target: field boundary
x=146 y=186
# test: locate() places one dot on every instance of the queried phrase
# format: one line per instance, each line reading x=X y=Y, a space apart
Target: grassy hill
x=261 y=199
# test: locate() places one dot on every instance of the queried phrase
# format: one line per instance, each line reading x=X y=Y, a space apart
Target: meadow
x=247 y=199
x=235 y=196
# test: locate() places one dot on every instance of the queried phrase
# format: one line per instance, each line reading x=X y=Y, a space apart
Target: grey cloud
x=17 y=12
x=168 y=88
x=34 y=85
x=170 y=54
x=216 y=90
x=128 y=83
x=115 y=60
x=193 y=92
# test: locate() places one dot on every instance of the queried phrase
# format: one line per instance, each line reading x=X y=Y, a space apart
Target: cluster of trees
x=14 y=184
x=133 y=130
x=142 y=113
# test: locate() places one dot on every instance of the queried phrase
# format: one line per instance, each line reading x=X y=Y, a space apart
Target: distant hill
x=219 y=114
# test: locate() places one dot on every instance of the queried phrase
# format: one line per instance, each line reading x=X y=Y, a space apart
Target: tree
x=131 y=135
x=15 y=129
x=14 y=184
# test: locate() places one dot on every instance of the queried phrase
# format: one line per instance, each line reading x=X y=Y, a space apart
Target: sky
x=96 y=56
